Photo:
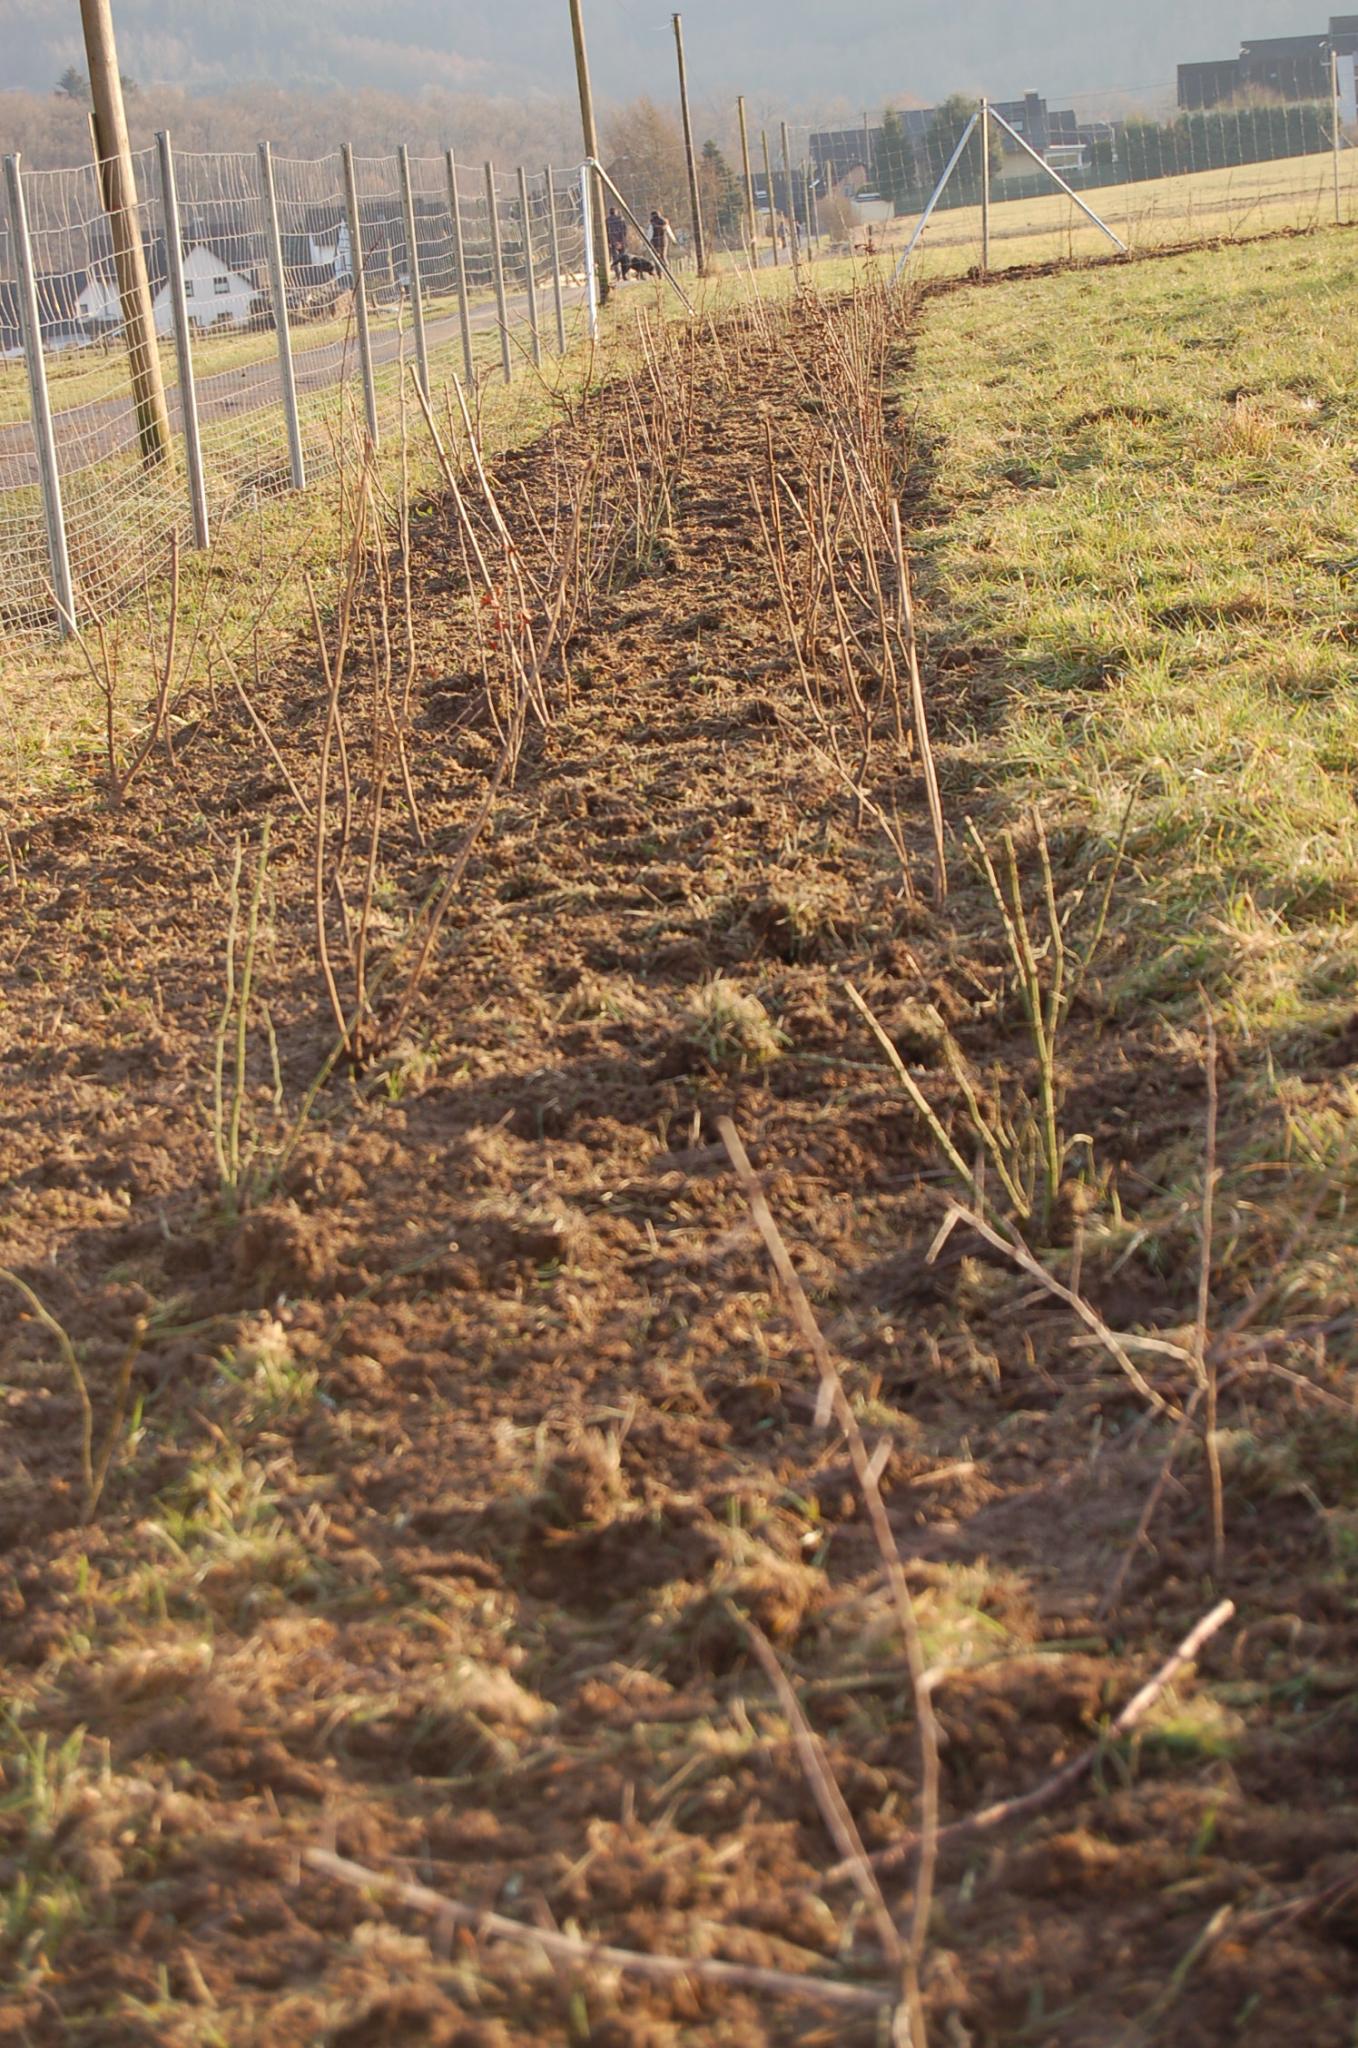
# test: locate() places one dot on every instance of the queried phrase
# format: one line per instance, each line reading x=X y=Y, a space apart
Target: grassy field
x=1151 y=526
x=412 y=1456
x=1251 y=199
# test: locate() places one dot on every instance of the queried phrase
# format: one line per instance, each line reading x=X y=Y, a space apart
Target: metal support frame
x=497 y=264
x=940 y=188
x=1057 y=179
x=365 y=351
x=413 y=267
x=554 y=244
x=44 y=439
x=278 y=292
x=179 y=307
x=464 y=315
x=530 y=281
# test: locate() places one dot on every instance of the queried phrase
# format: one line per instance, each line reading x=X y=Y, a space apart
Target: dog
x=638 y=266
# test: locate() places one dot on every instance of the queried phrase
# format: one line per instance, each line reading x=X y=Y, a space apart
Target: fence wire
x=1211 y=157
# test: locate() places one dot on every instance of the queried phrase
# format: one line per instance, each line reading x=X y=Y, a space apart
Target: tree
x=897 y=177
x=73 y=85
x=646 y=161
x=722 y=196
x=944 y=135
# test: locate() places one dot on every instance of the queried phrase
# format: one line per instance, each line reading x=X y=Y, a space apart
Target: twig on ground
x=497 y=1927
x=839 y=1822
x=835 y=1401
x=1053 y=1788
x=1016 y=1250
x=1204 y=1368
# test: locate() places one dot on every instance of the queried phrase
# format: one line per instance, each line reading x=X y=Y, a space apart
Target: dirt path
x=447 y=1469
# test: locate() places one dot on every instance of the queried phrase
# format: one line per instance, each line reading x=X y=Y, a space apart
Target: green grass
x=1150 y=485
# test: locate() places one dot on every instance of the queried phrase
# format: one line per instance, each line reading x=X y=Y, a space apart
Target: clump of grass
x=730 y=1029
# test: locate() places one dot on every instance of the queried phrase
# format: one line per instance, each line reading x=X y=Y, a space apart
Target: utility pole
x=591 y=135
x=751 y=229
x=129 y=257
x=694 y=198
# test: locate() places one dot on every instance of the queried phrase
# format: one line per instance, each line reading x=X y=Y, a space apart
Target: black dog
x=639 y=266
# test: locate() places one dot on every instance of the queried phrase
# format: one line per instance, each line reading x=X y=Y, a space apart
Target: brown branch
x=497 y=1927
x=1053 y=1788
x=835 y=1401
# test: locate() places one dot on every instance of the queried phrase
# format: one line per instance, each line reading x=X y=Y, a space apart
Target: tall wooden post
x=359 y=265
x=770 y=195
x=791 y=197
x=1338 y=131
x=413 y=268
x=694 y=197
x=183 y=341
x=591 y=135
x=751 y=226
x=129 y=257
x=554 y=244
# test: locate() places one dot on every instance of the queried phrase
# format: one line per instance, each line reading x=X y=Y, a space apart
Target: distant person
x=617 y=242
x=662 y=235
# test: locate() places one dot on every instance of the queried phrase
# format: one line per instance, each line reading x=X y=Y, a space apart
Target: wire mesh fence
x=302 y=300
x=309 y=288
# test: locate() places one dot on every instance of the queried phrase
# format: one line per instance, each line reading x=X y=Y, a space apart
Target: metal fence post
x=278 y=292
x=360 y=270
x=554 y=242
x=44 y=439
x=179 y=306
x=498 y=268
x=591 y=274
x=985 y=185
x=1338 y=122
x=413 y=269
x=530 y=281
x=460 y=266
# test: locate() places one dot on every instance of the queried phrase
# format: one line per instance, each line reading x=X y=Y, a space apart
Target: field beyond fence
x=489 y=263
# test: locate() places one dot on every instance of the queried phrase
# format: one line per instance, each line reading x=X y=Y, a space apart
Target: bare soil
x=445 y=1471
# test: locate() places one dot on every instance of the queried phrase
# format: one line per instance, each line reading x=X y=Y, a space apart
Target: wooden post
x=413 y=269
x=278 y=291
x=460 y=266
x=694 y=196
x=751 y=226
x=530 y=281
x=129 y=256
x=360 y=270
x=769 y=195
x=497 y=265
x=791 y=198
x=985 y=185
x=599 y=236
x=44 y=439
x=188 y=393
x=554 y=243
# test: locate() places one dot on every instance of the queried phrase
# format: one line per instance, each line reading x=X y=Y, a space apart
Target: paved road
x=106 y=426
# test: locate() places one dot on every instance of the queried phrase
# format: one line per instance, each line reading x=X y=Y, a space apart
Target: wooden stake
x=120 y=199
x=591 y=135
x=694 y=196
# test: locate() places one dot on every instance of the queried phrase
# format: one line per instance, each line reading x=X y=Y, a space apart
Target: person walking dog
x=662 y=235
x=617 y=242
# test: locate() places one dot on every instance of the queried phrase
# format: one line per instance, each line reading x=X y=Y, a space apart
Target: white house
x=213 y=291
x=98 y=304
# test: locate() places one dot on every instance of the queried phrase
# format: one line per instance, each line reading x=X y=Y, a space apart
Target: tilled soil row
x=444 y=1473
